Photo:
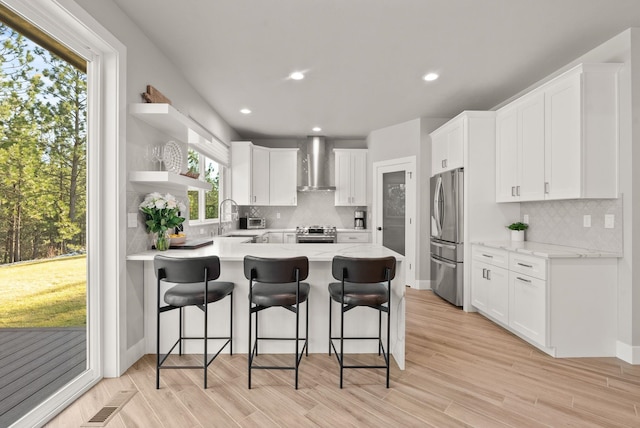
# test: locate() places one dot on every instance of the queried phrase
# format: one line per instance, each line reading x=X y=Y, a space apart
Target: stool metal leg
x=306 y=337
x=341 y=340
x=330 y=302
x=181 y=330
x=250 y=350
x=206 y=335
x=231 y=324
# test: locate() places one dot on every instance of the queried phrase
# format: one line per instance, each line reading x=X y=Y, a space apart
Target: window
x=203 y=205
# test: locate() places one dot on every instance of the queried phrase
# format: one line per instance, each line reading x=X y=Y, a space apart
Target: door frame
x=407 y=164
x=106 y=117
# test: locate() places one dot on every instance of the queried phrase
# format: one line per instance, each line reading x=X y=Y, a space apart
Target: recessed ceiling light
x=245 y=111
x=430 y=77
x=297 y=75
x=316 y=129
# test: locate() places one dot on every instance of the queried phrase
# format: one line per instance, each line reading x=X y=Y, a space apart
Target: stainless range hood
x=315 y=166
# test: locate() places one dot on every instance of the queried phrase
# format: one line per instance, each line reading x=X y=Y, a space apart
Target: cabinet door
x=498 y=294
x=260 y=176
x=563 y=145
x=506 y=154
x=289 y=237
x=531 y=148
x=359 y=178
x=479 y=286
x=343 y=177
x=528 y=307
x=455 y=146
x=275 y=237
x=241 y=172
x=439 y=153
x=283 y=177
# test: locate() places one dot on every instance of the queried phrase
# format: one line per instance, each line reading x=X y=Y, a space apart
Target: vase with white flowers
x=163 y=215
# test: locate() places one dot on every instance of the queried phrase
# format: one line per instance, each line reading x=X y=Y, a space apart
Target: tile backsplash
x=314 y=208
x=561 y=223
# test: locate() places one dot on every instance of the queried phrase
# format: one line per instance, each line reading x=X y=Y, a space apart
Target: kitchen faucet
x=222 y=213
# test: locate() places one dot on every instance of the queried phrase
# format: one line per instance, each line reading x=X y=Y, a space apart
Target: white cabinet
x=528 y=307
x=283 y=177
x=275 y=237
x=490 y=283
x=581 y=150
x=520 y=150
x=561 y=140
x=249 y=173
x=447 y=147
x=351 y=237
x=351 y=177
x=566 y=306
x=289 y=237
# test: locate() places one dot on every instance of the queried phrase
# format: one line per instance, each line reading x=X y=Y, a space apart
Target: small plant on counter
x=518 y=226
x=162 y=216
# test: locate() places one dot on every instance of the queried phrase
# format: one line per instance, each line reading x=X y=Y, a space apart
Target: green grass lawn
x=49 y=293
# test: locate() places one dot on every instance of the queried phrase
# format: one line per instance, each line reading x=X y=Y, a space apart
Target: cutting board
x=190 y=244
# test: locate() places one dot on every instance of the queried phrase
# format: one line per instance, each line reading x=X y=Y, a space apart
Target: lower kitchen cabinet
x=564 y=303
x=275 y=237
x=490 y=291
x=351 y=237
x=289 y=237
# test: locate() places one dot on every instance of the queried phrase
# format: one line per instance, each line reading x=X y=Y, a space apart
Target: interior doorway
x=394 y=207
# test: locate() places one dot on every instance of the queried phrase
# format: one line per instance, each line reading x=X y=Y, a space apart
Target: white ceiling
x=365 y=58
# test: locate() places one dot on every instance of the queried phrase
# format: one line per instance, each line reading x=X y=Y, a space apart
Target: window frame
x=201 y=220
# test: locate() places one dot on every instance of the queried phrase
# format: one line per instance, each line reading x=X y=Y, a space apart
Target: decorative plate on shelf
x=172 y=157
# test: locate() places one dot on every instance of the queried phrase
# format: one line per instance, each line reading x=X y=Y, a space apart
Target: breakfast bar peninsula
x=231 y=251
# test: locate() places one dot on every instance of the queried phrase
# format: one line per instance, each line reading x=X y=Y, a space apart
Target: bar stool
x=276 y=283
x=363 y=282
x=195 y=279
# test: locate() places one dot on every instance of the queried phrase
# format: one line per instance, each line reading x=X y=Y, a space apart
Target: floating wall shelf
x=163 y=180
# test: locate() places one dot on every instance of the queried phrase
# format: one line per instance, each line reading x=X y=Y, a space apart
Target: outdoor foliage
x=42 y=152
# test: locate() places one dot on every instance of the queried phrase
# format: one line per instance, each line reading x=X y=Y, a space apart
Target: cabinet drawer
x=344 y=237
x=528 y=265
x=493 y=256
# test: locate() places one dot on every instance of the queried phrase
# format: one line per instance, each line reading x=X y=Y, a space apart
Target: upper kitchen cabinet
x=283 y=177
x=581 y=133
x=447 y=147
x=560 y=141
x=249 y=173
x=351 y=177
x=520 y=150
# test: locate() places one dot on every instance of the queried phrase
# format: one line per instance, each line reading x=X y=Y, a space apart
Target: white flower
x=171 y=203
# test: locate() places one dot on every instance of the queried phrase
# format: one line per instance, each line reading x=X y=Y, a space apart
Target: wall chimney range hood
x=315 y=165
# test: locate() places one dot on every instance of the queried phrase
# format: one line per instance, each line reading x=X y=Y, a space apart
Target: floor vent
x=104 y=415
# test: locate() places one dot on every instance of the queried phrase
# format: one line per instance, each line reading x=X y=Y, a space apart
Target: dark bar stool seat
x=363 y=282
x=195 y=286
x=276 y=283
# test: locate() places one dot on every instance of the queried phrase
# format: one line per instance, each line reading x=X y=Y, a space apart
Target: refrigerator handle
x=436 y=206
x=440 y=262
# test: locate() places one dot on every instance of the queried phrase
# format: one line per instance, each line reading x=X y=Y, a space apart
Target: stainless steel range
x=316 y=234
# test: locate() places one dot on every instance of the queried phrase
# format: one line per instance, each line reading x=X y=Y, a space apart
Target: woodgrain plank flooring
x=461 y=371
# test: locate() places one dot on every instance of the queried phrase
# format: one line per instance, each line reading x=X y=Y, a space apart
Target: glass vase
x=161 y=240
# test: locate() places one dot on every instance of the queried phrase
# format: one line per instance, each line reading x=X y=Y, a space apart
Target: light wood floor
x=462 y=370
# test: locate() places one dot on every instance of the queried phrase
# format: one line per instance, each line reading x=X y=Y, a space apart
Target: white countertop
x=547 y=250
x=234 y=249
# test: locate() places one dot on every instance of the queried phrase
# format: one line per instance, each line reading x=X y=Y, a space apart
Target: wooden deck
x=34 y=363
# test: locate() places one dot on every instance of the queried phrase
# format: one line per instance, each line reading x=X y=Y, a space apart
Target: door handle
x=527 y=266
x=517 y=190
x=546 y=187
x=450 y=247
x=440 y=262
x=484 y=273
x=513 y=190
x=379 y=228
x=488 y=274
x=523 y=280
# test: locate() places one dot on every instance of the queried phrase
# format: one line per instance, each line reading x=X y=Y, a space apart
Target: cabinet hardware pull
x=488 y=255
x=517 y=190
x=523 y=280
x=484 y=273
x=488 y=274
x=513 y=190
x=522 y=264
x=442 y=163
x=546 y=187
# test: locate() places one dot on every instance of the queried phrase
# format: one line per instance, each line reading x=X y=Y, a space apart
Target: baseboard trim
x=424 y=284
x=132 y=355
x=628 y=353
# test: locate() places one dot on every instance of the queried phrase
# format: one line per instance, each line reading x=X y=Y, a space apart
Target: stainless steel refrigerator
x=447 y=246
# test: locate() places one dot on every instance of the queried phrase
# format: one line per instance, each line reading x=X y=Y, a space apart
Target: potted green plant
x=517 y=231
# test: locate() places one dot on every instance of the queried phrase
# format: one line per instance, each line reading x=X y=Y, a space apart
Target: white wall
x=402 y=140
x=146 y=64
